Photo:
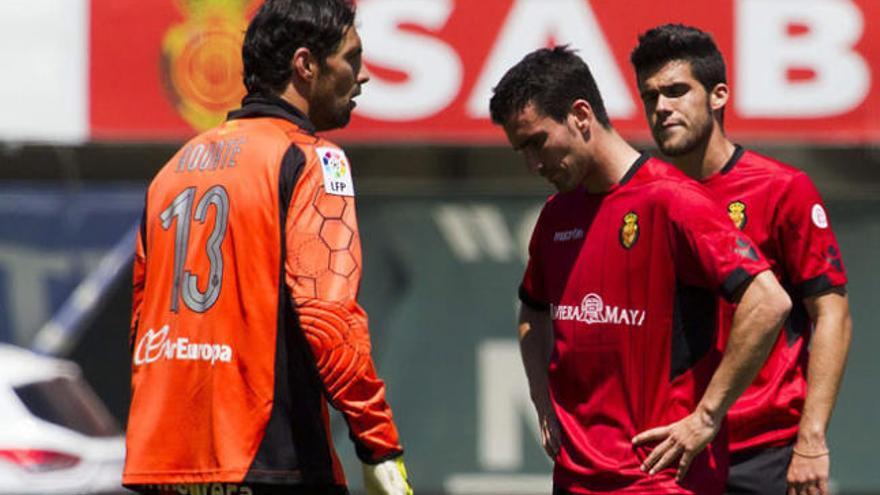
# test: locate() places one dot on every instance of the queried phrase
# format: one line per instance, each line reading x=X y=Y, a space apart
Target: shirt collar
x=258 y=105
x=734 y=158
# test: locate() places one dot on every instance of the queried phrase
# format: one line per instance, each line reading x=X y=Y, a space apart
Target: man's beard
x=331 y=117
x=690 y=142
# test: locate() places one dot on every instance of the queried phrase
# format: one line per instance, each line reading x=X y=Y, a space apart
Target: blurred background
x=98 y=94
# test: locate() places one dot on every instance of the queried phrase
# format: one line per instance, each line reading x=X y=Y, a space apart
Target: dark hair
x=669 y=42
x=280 y=27
x=550 y=78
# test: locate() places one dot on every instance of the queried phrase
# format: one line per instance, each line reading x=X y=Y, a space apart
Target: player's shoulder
x=323 y=149
x=669 y=189
x=660 y=171
x=663 y=179
x=754 y=163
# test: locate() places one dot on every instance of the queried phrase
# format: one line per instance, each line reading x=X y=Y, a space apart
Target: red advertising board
x=799 y=71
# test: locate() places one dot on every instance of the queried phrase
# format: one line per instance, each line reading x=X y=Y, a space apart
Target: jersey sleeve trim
x=366 y=459
x=736 y=280
x=531 y=302
x=816 y=286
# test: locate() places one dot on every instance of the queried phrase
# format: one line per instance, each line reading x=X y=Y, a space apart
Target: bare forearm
x=761 y=311
x=828 y=352
x=535 y=342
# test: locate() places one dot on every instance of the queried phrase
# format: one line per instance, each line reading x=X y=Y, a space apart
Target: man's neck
x=294 y=97
x=706 y=160
x=611 y=159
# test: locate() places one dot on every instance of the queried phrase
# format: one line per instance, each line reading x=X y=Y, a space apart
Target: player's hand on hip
x=682 y=441
x=551 y=432
x=387 y=478
x=808 y=471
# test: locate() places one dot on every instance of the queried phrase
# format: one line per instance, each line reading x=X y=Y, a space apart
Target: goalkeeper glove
x=387 y=478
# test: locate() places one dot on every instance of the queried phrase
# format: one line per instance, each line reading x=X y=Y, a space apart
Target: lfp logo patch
x=337 y=172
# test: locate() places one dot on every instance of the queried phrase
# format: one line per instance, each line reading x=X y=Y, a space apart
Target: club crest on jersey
x=629 y=231
x=737 y=212
x=337 y=172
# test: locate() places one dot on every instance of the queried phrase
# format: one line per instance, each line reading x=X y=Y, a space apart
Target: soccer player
x=245 y=321
x=617 y=321
x=777 y=427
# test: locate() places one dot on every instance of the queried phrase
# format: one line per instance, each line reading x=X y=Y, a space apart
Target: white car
x=56 y=436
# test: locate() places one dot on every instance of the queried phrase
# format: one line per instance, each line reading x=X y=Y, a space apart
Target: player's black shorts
x=759 y=471
x=239 y=489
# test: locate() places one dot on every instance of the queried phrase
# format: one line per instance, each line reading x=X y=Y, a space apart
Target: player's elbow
x=775 y=301
x=768 y=300
x=781 y=305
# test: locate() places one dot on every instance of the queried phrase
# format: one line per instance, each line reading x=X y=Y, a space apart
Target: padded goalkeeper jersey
x=245 y=318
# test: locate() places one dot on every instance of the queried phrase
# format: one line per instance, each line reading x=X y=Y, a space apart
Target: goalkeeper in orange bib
x=245 y=319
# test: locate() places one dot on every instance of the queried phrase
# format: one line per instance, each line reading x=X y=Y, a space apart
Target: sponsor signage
x=800 y=71
x=155 y=345
x=593 y=310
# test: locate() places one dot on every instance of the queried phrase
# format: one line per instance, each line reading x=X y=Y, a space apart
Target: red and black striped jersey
x=630 y=278
x=780 y=209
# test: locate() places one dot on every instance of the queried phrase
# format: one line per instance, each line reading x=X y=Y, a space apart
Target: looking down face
x=549 y=147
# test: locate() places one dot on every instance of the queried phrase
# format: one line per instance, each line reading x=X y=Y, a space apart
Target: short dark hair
x=280 y=27
x=663 y=44
x=551 y=79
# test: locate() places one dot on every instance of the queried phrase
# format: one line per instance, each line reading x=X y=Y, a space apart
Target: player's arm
x=335 y=327
x=535 y=334
x=138 y=280
x=338 y=338
x=324 y=290
x=536 y=344
x=762 y=308
x=811 y=258
x=709 y=252
x=832 y=332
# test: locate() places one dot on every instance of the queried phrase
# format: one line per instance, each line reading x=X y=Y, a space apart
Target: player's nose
x=663 y=106
x=363 y=75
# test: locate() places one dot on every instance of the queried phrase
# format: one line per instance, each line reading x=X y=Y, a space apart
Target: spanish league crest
x=336 y=170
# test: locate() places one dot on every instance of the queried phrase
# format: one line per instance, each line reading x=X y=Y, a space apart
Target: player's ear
x=304 y=64
x=718 y=96
x=582 y=114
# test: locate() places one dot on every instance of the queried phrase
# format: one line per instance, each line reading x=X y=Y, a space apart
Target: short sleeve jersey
x=779 y=208
x=630 y=278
